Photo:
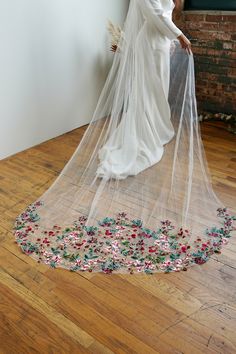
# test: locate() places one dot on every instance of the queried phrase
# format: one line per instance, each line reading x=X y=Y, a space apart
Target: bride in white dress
x=138 y=141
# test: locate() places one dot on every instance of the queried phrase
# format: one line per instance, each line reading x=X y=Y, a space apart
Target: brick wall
x=213 y=37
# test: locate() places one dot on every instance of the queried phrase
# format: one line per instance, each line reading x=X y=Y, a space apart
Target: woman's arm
x=155 y=11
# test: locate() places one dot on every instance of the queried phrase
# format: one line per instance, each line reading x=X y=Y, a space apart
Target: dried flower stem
x=116 y=35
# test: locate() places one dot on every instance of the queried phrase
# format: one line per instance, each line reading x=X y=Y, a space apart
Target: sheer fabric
x=136 y=195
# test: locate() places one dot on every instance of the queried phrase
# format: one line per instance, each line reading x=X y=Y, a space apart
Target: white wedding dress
x=138 y=141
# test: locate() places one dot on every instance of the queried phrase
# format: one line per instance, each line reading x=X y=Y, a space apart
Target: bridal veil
x=136 y=195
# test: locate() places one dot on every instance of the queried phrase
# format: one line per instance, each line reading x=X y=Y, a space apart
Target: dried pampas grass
x=116 y=35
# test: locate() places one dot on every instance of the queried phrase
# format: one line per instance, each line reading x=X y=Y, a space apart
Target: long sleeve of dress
x=160 y=18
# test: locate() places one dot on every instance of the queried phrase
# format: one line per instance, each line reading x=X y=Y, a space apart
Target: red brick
x=221 y=36
x=209 y=26
x=200 y=34
x=227 y=26
x=220 y=18
x=199 y=50
x=194 y=25
x=208 y=76
x=205 y=35
x=194 y=17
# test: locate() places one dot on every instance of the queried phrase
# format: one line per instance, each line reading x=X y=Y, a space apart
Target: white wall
x=54 y=58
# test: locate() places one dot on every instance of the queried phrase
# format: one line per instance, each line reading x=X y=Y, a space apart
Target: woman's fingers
x=185 y=43
x=188 y=48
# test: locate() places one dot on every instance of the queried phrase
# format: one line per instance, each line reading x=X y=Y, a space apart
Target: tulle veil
x=162 y=219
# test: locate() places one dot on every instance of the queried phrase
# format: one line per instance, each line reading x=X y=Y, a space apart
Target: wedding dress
x=136 y=195
x=138 y=143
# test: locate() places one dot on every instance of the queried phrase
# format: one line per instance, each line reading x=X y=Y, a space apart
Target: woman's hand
x=185 y=43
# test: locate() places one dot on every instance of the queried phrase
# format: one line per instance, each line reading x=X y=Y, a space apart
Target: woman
x=117 y=158
x=122 y=203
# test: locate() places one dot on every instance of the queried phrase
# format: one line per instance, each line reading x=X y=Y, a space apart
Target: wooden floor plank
x=61 y=321
x=25 y=333
x=56 y=311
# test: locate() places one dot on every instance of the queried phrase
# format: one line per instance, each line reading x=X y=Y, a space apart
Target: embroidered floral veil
x=164 y=218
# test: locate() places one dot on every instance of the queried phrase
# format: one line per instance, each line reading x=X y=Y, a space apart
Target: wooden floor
x=56 y=311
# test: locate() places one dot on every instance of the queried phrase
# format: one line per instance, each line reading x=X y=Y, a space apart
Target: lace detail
x=118 y=244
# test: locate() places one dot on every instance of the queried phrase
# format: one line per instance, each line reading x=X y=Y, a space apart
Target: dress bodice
x=159 y=25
